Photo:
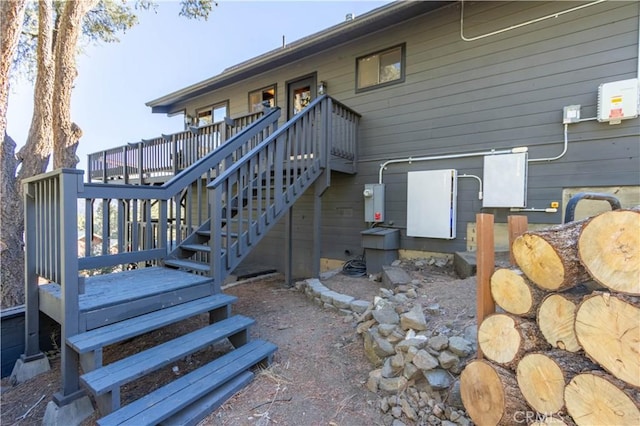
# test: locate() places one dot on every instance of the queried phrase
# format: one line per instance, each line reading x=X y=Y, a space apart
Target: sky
x=166 y=52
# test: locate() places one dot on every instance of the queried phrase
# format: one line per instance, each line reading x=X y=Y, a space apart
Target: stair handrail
x=305 y=151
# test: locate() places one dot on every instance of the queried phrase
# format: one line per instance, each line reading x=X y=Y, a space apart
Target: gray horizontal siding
x=499 y=92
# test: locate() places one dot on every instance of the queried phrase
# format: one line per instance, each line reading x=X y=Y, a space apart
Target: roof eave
x=377 y=19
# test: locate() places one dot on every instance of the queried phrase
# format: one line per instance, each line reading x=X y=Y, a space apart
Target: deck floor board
x=117 y=288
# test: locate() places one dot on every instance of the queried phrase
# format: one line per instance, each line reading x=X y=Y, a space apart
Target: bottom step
x=196 y=412
x=177 y=396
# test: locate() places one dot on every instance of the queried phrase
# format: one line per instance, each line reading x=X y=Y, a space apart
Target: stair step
x=187 y=264
x=172 y=401
x=196 y=247
x=117 y=332
x=114 y=375
x=193 y=414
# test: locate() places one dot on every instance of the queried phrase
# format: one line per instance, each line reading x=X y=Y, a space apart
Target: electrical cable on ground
x=355 y=267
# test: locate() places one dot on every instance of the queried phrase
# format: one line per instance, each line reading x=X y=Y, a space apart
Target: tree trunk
x=560 y=420
x=33 y=159
x=491 y=396
x=549 y=257
x=556 y=318
x=11 y=246
x=11 y=251
x=513 y=292
x=608 y=328
x=542 y=378
x=67 y=134
x=11 y=20
x=505 y=339
x=609 y=249
x=596 y=398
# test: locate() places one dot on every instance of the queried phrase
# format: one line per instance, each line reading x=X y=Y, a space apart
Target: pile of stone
x=416 y=366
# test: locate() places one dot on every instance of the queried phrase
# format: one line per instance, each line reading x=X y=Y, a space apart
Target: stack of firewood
x=566 y=349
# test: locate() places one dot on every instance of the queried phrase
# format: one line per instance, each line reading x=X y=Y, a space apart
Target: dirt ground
x=319 y=371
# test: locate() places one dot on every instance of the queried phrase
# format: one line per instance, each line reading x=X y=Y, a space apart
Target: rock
x=433 y=420
x=438 y=379
x=411 y=293
x=397 y=422
x=364 y=326
x=433 y=308
x=386 y=329
x=315 y=286
x=386 y=293
x=439 y=342
x=397 y=361
x=396 y=262
x=386 y=316
x=393 y=276
x=448 y=359
x=447 y=423
x=415 y=342
x=460 y=346
x=414 y=319
x=374 y=380
x=387 y=369
x=384 y=405
x=359 y=306
x=396 y=412
x=392 y=385
x=441 y=262
x=463 y=421
x=471 y=333
x=408 y=410
x=438 y=410
x=410 y=371
x=424 y=361
x=454 y=398
x=419 y=264
x=454 y=415
x=400 y=299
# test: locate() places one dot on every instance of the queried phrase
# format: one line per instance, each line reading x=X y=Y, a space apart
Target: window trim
x=261 y=89
x=210 y=108
x=403 y=61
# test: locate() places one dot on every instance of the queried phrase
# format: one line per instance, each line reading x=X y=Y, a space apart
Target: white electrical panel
x=431 y=203
x=618 y=100
x=505 y=180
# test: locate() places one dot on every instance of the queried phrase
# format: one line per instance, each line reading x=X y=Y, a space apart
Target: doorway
x=300 y=93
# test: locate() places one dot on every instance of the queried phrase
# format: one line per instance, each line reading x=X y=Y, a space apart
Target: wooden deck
x=115 y=297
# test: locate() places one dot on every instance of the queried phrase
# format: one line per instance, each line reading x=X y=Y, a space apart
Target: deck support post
x=486 y=265
x=321 y=185
x=288 y=247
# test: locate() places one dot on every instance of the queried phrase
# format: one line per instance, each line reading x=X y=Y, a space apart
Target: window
x=380 y=69
x=212 y=114
x=257 y=97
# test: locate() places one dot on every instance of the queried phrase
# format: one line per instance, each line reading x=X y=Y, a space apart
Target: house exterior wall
x=498 y=92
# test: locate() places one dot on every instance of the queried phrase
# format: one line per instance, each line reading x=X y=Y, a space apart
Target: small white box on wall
x=431 y=203
x=505 y=180
x=618 y=100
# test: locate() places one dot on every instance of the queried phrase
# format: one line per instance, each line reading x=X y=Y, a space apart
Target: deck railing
x=265 y=182
x=142 y=223
x=164 y=155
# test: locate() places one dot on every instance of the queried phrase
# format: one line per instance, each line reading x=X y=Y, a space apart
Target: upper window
x=380 y=69
x=257 y=98
x=212 y=114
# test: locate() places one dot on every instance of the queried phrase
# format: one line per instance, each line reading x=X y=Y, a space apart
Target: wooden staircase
x=251 y=182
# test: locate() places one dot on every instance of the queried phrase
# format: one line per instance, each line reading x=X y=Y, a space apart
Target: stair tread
x=196 y=247
x=117 y=332
x=164 y=402
x=125 y=370
x=188 y=264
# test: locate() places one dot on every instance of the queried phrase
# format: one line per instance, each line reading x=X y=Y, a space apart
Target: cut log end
x=542 y=383
x=609 y=249
x=490 y=394
x=593 y=400
x=539 y=261
x=609 y=331
x=556 y=317
x=514 y=293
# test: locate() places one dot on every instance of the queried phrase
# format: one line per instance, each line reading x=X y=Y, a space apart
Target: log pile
x=564 y=347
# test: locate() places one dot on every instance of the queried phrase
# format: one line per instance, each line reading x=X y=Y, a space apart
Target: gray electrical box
x=373 y=202
x=380 y=247
x=505 y=180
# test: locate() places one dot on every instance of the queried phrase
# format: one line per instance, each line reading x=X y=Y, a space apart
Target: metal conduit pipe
x=557 y=157
x=523 y=24
x=410 y=160
x=479 y=183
